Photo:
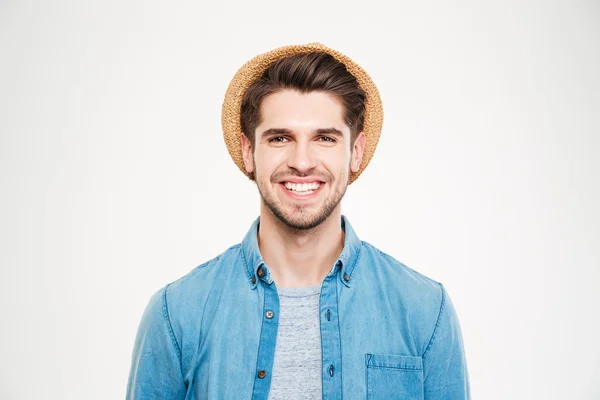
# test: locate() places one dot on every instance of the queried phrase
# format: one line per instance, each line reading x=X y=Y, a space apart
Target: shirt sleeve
x=444 y=363
x=156 y=360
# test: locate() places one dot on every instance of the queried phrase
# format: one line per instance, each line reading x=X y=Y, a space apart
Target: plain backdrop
x=115 y=179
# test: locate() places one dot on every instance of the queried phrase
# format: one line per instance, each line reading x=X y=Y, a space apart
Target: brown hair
x=306 y=72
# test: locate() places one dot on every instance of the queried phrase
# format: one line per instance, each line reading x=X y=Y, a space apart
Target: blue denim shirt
x=387 y=332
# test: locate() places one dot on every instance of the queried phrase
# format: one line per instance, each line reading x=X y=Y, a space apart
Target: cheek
x=266 y=164
x=337 y=159
x=341 y=175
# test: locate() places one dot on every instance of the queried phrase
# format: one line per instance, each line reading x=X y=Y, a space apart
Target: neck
x=299 y=258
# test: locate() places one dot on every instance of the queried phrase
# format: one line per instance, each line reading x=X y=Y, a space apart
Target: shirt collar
x=345 y=263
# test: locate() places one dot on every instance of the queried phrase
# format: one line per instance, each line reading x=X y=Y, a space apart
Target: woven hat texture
x=253 y=69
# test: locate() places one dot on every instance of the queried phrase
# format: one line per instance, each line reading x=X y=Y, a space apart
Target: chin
x=295 y=216
x=302 y=219
x=302 y=223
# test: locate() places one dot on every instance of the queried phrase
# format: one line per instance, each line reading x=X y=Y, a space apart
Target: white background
x=115 y=179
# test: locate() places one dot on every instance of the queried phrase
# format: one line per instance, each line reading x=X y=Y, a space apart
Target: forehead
x=297 y=111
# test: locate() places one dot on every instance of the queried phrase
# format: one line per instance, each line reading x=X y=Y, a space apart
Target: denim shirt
x=387 y=331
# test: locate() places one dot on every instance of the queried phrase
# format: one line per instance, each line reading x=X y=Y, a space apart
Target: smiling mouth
x=302 y=189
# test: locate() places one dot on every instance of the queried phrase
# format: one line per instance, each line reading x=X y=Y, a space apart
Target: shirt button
x=262 y=374
x=269 y=314
x=260 y=272
x=346 y=277
x=253 y=279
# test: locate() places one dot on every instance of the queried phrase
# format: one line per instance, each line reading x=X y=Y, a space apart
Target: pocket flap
x=394 y=361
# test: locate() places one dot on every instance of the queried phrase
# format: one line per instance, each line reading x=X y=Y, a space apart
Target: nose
x=302 y=157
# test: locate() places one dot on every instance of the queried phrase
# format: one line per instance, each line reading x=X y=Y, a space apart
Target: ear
x=357 y=152
x=247 y=153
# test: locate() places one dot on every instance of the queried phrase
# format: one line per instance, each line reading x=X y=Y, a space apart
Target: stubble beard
x=300 y=219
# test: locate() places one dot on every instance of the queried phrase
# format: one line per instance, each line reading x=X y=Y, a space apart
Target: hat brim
x=253 y=69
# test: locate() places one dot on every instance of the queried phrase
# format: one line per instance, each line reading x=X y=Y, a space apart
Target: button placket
x=330 y=338
x=268 y=336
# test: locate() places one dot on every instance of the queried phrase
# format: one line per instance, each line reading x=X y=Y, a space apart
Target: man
x=301 y=308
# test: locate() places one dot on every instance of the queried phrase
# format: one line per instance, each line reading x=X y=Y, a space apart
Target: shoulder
x=419 y=298
x=399 y=273
x=181 y=302
x=199 y=281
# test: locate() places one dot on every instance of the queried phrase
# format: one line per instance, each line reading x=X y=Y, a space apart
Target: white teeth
x=302 y=187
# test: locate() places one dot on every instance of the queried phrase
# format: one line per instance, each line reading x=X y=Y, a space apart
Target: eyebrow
x=283 y=131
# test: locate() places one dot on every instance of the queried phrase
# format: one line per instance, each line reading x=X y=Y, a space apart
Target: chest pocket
x=391 y=376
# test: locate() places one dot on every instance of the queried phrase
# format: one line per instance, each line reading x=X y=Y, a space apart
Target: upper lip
x=302 y=180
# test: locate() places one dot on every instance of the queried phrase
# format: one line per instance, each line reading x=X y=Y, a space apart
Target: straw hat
x=253 y=69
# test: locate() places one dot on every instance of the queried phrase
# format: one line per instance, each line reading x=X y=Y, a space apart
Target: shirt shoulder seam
x=165 y=309
x=438 y=321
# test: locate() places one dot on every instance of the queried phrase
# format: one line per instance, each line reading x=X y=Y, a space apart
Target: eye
x=327 y=139
x=278 y=139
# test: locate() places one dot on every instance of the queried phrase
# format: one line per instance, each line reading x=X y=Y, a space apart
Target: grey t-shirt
x=297 y=365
